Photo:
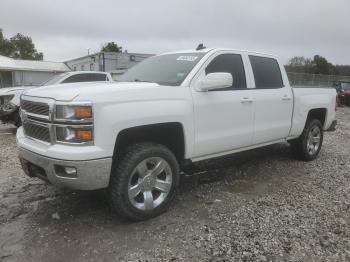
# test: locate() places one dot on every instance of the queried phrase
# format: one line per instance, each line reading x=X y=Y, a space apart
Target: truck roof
x=86 y=72
x=207 y=50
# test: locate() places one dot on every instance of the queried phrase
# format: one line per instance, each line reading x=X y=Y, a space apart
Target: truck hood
x=15 y=92
x=12 y=90
x=86 y=91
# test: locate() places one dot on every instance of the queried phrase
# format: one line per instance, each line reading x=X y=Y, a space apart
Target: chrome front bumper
x=90 y=175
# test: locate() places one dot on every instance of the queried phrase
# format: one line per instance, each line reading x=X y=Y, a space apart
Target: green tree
x=320 y=65
x=299 y=64
x=343 y=70
x=111 y=47
x=24 y=48
x=6 y=47
x=19 y=46
x=299 y=61
x=317 y=65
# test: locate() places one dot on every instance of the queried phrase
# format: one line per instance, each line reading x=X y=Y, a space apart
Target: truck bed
x=307 y=98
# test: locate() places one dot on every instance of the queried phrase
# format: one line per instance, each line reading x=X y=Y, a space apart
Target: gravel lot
x=256 y=206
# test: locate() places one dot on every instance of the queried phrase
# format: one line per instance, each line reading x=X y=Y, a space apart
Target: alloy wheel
x=150 y=183
x=313 y=140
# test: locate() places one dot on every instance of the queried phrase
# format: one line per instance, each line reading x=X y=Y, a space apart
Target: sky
x=67 y=29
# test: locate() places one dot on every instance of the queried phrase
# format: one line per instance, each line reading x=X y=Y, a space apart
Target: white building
x=112 y=62
x=15 y=72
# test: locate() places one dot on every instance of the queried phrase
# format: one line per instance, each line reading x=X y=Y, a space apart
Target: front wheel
x=144 y=181
x=309 y=144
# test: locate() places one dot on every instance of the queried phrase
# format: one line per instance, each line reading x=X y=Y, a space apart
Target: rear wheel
x=144 y=182
x=308 y=145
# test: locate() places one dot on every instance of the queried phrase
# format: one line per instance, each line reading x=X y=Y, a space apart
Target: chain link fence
x=302 y=79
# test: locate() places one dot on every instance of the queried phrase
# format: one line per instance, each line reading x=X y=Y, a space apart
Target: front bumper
x=91 y=174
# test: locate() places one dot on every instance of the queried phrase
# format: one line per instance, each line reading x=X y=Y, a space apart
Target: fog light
x=71 y=171
x=66 y=171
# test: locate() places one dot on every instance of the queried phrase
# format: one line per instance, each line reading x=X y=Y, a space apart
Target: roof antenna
x=200 y=47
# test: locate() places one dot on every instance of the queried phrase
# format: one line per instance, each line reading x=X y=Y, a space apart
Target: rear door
x=273 y=100
x=223 y=118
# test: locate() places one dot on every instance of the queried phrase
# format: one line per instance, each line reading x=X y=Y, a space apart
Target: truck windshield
x=54 y=80
x=170 y=69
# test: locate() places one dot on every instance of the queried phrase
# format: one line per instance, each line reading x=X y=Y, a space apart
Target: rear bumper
x=333 y=126
x=90 y=174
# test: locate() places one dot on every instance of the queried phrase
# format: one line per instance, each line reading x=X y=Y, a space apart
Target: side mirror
x=215 y=81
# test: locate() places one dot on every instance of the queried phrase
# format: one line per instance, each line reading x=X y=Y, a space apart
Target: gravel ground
x=256 y=206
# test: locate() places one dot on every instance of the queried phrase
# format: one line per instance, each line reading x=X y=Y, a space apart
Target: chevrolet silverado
x=134 y=137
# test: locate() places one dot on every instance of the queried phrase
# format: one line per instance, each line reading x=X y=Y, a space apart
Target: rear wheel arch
x=317 y=113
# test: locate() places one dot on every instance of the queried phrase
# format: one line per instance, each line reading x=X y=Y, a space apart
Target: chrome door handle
x=246 y=100
x=286 y=98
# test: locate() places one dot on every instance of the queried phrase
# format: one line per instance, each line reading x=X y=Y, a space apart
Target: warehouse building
x=112 y=62
x=16 y=72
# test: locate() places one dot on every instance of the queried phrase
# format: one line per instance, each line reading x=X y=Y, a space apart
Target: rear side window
x=267 y=73
x=98 y=77
x=85 y=78
x=229 y=63
x=77 y=78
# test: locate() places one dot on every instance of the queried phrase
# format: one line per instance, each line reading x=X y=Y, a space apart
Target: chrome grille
x=37 y=108
x=37 y=131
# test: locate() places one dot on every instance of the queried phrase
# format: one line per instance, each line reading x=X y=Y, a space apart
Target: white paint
x=215 y=81
x=214 y=123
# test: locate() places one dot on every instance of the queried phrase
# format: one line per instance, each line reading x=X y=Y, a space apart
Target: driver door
x=223 y=118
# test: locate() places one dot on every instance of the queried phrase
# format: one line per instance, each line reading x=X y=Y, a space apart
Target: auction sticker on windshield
x=187 y=58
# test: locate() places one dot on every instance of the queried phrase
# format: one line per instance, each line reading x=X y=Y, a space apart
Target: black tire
x=18 y=122
x=299 y=146
x=124 y=172
x=16 y=119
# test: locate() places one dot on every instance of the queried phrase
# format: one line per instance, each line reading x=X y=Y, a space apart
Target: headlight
x=74 y=134
x=74 y=123
x=6 y=99
x=81 y=112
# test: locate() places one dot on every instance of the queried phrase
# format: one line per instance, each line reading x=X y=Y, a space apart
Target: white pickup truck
x=134 y=137
x=10 y=97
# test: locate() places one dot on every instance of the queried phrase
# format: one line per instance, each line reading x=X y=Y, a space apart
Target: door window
x=267 y=73
x=229 y=63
